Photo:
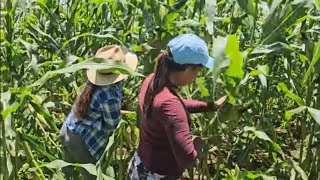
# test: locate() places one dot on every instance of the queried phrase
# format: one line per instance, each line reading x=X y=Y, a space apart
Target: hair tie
x=167 y=55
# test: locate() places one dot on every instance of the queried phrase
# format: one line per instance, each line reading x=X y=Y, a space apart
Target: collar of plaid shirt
x=104 y=114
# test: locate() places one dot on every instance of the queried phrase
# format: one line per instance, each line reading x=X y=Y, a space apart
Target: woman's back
x=162 y=149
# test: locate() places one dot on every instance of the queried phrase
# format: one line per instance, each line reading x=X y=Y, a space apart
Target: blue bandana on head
x=190 y=49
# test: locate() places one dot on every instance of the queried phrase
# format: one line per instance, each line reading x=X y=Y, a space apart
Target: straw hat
x=112 y=53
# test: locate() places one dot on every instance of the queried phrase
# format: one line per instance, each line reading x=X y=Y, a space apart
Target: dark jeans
x=75 y=150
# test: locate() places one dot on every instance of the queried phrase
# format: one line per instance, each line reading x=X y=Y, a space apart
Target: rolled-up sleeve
x=194 y=106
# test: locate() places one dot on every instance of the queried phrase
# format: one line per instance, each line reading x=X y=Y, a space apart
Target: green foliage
x=236 y=58
x=266 y=60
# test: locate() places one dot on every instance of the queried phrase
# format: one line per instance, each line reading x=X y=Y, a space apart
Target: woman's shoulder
x=111 y=91
x=145 y=84
x=165 y=97
x=148 y=79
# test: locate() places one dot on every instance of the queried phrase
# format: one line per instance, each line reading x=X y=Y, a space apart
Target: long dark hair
x=165 y=65
x=83 y=99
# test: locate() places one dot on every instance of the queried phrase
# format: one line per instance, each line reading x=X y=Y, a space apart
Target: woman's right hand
x=220 y=102
x=217 y=105
x=198 y=142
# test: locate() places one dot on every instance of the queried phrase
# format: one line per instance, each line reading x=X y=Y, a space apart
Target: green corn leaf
x=98 y=1
x=236 y=57
x=263 y=80
x=210 y=13
x=37 y=30
x=252 y=175
x=280 y=18
x=2 y=35
x=106 y=176
x=276 y=147
x=110 y=172
x=261 y=72
x=5 y=98
x=315 y=59
x=290 y=113
x=262 y=135
x=111 y=141
x=250 y=6
x=259 y=134
x=34 y=143
x=170 y=19
x=187 y=23
x=317 y=4
x=43 y=6
x=315 y=113
x=87 y=34
x=10 y=108
x=91 y=168
x=112 y=66
x=256 y=72
x=203 y=90
x=58 y=164
x=219 y=47
x=281 y=86
x=299 y=170
x=266 y=177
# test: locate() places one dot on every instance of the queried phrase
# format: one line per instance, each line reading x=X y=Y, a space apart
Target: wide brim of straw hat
x=101 y=79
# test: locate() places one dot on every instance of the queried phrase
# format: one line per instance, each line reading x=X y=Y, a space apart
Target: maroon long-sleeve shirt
x=166 y=145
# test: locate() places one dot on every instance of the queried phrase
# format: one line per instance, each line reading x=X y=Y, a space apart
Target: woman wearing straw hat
x=96 y=111
x=166 y=146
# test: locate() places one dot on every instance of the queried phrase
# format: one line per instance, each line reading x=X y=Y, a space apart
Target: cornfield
x=266 y=61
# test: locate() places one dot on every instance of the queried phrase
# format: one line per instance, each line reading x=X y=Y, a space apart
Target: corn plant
x=266 y=61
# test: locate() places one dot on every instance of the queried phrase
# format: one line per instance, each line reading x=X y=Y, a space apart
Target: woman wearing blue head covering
x=166 y=146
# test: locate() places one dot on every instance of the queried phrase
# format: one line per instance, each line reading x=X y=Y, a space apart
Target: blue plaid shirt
x=103 y=116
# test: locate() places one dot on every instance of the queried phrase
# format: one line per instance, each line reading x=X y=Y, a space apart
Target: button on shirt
x=103 y=116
